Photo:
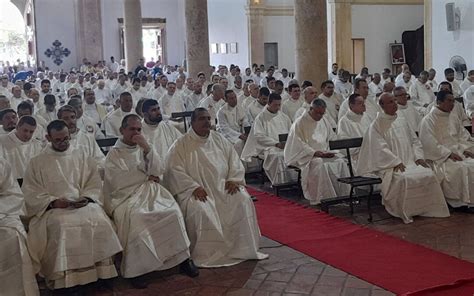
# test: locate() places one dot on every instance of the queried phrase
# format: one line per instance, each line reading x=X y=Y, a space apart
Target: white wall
x=228 y=23
x=381 y=25
x=172 y=11
x=446 y=44
x=56 y=20
x=281 y=29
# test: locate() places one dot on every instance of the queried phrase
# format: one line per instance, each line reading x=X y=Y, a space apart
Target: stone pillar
x=428 y=33
x=197 y=37
x=132 y=24
x=89 y=31
x=311 y=40
x=255 y=14
x=342 y=35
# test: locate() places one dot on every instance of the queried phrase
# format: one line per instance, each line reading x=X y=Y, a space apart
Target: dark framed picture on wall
x=397 y=53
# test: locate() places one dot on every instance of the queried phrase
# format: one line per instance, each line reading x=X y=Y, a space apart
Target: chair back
x=106 y=143
x=183 y=115
x=282 y=138
x=346 y=144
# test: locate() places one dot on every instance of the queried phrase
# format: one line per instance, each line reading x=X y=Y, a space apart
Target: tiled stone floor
x=289 y=272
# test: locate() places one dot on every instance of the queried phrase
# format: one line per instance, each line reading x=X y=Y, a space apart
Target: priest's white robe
x=302 y=110
x=469 y=101
x=192 y=101
x=119 y=89
x=353 y=125
x=86 y=142
x=261 y=143
x=457 y=177
x=212 y=107
x=47 y=116
x=406 y=85
x=156 y=92
x=161 y=136
x=87 y=124
x=318 y=175
x=388 y=142
x=16 y=271
x=149 y=222
x=230 y=123
x=290 y=106
x=457 y=91
x=333 y=104
x=371 y=108
x=465 y=84
x=172 y=104
x=411 y=115
x=104 y=96
x=345 y=89
x=223 y=230
x=18 y=153
x=421 y=95
x=137 y=94
x=375 y=89
x=253 y=109
x=112 y=122
x=68 y=247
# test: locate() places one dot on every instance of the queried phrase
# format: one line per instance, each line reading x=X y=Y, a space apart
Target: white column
x=197 y=37
x=132 y=22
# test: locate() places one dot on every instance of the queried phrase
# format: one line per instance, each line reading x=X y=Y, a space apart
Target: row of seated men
x=190 y=209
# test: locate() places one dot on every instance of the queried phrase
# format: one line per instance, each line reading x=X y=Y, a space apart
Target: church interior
x=236 y=147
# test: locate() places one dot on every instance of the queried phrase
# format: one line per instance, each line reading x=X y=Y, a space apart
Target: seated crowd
x=171 y=191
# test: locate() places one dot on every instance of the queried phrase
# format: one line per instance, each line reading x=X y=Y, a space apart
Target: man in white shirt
x=48 y=111
x=290 y=106
x=84 y=122
x=103 y=94
x=333 y=101
x=406 y=109
x=16 y=97
x=468 y=81
x=334 y=71
x=285 y=78
x=449 y=75
x=92 y=109
x=309 y=94
x=193 y=99
x=19 y=146
x=231 y=121
x=113 y=65
x=386 y=76
x=148 y=219
x=431 y=79
x=8 y=121
x=71 y=240
x=214 y=102
x=120 y=87
x=206 y=177
x=170 y=103
x=371 y=105
x=376 y=85
x=392 y=151
x=421 y=93
x=400 y=78
x=264 y=142
x=343 y=86
x=17 y=271
x=256 y=106
x=113 y=120
x=469 y=101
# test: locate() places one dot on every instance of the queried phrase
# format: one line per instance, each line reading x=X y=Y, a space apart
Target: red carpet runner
x=398 y=266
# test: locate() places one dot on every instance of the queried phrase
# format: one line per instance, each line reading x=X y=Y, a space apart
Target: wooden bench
x=353 y=180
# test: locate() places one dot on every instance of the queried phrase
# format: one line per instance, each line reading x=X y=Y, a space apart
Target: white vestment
x=371 y=108
x=406 y=85
x=230 y=123
x=149 y=222
x=411 y=115
x=223 y=230
x=87 y=124
x=465 y=84
x=318 y=175
x=421 y=95
x=290 y=106
x=86 y=142
x=68 y=247
x=161 y=137
x=457 y=177
x=261 y=143
x=18 y=153
x=192 y=101
x=457 y=91
x=353 y=125
x=103 y=96
x=172 y=104
x=333 y=104
x=345 y=89
x=302 y=110
x=253 y=109
x=388 y=142
x=119 y=89
x=46 y=115
x=469 y=101
x=376 y=89
x=212 y=107
x=16 y=270
x=113 y=121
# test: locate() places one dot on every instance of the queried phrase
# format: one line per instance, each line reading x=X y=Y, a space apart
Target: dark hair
x=196 y=112
x=66 y=108
x=273 y=97
x=227 y=92
x=147 y=104
x=124 y=123
x=27 y=86
x=358 y=81
x=5 y=112
x=56 y=125
x=448 y=71
x=279 y=83
x=306 y=83
x=25 y=105
x=325 y=83
x=264 y=91
x=49 y=99
x=441 y=96
x=44 y=81
x=446 y=83
x=30 y=120
x=136 y=80
x=352 y=98
x=291 y=86
x=125 y=93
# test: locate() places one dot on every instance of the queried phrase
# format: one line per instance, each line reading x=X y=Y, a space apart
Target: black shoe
x=138 y=283
x=465 y=209
x=254 y=198
x=187 y=267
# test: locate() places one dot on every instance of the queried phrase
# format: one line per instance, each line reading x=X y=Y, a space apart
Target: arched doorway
x=17 y=34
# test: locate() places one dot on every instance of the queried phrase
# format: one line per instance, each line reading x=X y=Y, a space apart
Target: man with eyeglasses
x=71 y=240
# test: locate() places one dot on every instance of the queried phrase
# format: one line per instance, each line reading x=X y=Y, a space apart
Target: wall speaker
x=453 y=17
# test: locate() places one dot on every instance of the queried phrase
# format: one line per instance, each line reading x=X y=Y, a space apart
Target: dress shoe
x=187 y=267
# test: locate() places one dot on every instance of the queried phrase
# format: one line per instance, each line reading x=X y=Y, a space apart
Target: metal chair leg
x=351 y=200
x=369 y=199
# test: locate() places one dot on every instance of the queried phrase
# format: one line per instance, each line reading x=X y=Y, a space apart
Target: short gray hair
x=318 y=103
